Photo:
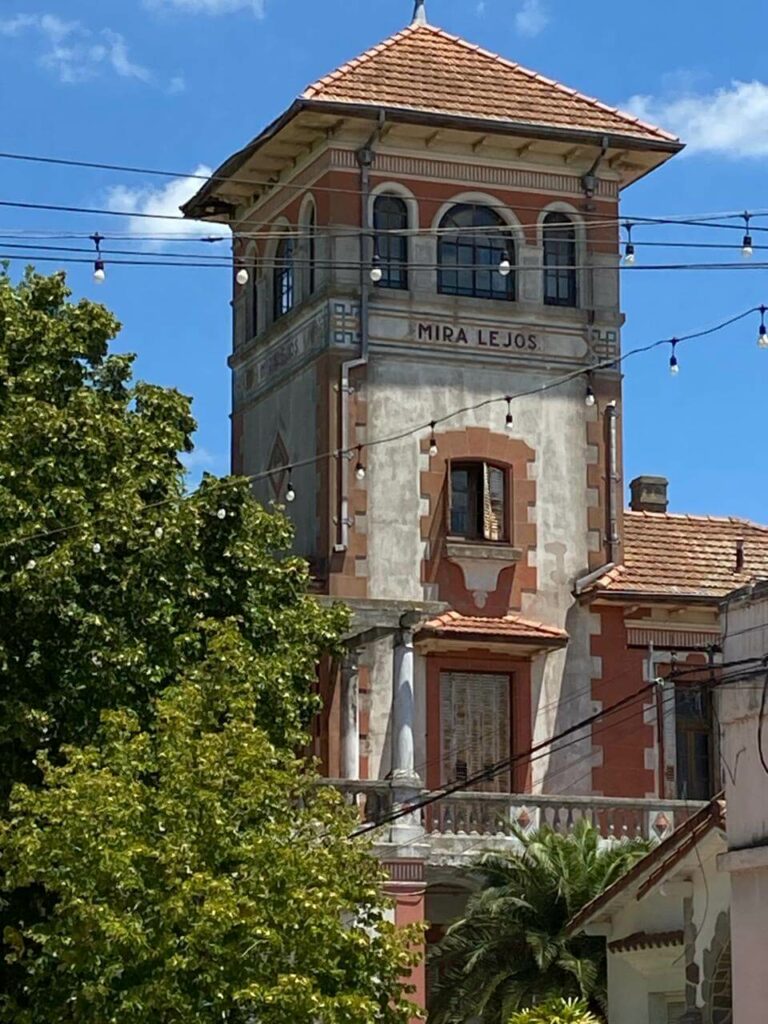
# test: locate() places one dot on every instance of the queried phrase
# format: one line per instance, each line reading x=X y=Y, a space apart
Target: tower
x=432 y=228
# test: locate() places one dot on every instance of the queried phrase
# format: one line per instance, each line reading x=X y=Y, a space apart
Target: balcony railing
x=460 y=820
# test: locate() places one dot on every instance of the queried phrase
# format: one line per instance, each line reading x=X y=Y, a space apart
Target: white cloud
x=732 y=122
x=532 y=18
x=209 y=6
x=73 y=52
x=164 y=200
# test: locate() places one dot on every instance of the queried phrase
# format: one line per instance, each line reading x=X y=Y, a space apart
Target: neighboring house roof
x=424 y=68
x=647 y=940
x=512 y=628
x=656 y=864
x=687 y=556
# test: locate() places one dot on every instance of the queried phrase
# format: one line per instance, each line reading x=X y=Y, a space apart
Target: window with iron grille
x=473 y=242
x=559 y=260
x=390 y=215
x=477 y=501
x=283 y=294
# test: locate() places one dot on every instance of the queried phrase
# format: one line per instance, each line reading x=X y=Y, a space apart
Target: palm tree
x=509 y=950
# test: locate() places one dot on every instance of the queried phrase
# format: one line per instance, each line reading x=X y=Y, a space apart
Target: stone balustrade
x=464 y=823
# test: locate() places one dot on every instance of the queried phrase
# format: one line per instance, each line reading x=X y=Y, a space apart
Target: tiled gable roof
x=423 y=68
x=682 y=555
x=510 y=627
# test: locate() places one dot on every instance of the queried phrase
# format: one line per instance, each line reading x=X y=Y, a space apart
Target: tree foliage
x=199 y=875
x=510 y=950
x=556 y=1011
x=110 y=586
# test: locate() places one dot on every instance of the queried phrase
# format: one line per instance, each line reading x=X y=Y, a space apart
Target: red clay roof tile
x=510 y=627
x=424 y=68
x=696 y=556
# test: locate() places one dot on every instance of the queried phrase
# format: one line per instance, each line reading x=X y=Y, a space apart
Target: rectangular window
x=478 y=501
x=474 y=727
x=693 y=718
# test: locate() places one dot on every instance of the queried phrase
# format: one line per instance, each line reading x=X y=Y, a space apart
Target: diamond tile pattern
x=688 y=555
x=423 y=68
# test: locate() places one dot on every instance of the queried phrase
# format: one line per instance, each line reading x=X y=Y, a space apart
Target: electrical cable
x=761 y=726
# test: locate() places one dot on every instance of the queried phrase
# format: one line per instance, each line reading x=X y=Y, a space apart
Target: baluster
x=569 y=821
x=556 y=823
x=446 y=819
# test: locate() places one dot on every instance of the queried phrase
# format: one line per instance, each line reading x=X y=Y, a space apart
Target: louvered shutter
x=474 y=726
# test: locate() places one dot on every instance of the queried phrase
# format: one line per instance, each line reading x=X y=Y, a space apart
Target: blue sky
x=180 y=84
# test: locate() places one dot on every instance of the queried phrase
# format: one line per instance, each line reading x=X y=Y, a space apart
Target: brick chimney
x=649 y=494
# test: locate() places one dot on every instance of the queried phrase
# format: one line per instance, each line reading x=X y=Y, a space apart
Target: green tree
x=109 y=583
x=199 y=875
x=556 y=1011
x=510 y=950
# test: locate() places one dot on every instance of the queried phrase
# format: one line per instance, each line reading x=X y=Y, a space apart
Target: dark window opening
x=312 y=246
x=559 y=260
x=283 y=278
x=469 y=259
x=390 y=215
x=695 y=762
x=478 y=501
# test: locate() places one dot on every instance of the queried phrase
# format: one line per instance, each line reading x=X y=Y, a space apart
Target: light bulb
x=99 y=273
x=590 y=399
x=433 y=447
x=762 y=340
x=221 y=514
x=629 y=254
x=376 y=272
x=746 y=247
x=510 y=424
x=290 y=494
x=360 y=471
x=505 y=267
x=242 y=276
x=674 y=366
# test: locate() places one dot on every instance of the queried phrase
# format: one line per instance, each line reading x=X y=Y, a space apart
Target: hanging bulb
x=433 y=441
x=510 y=422
x=746 y=245
x=290 y=494
x=674 y=365
x=589 y=399
x=99 y=273
x=376 y=272
x=505 y=267
x=629 y=249
x=242 y=276
x=762 y=338
x=360 y=468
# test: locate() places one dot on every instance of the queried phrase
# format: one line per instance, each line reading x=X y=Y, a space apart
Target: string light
x=674 y=365
x=510 y=422
x=762 y=338
x=360 y=468
x=746 y=245
x=376 y=272
x=242 y=276
x=433 y=440
x=629 y=250
x=505 y=267
x=290 y=493
x=589 y=399
x=99 y=271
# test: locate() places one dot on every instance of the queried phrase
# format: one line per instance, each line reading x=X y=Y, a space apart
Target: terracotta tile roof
x=647 y=940
x=672 y=555
x=511 y=627
x=648 y=871
x=423 y=68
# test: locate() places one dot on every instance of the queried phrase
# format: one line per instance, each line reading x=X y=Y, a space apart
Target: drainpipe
x=365 y=161
x=612 y=541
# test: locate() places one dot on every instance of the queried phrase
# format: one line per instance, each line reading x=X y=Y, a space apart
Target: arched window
x=283 y=278
x=469 y=260
x=390 y=215
x=312 y=249
x=559 y=260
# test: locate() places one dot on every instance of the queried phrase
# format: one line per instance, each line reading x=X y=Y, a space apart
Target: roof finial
x=419 y=13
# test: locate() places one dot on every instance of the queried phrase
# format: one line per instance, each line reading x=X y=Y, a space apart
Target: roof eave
x=656 y=597
x=539 y=642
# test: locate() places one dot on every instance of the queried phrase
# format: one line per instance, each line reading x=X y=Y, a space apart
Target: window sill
x=484 y=550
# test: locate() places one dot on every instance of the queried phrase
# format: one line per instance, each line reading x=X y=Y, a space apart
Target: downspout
x=612 y=540
x=365 y=161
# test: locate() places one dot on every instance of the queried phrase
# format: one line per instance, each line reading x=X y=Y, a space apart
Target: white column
x=350 y=718
x=403 y=766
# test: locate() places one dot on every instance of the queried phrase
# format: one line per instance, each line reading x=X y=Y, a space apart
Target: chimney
x=649 y=494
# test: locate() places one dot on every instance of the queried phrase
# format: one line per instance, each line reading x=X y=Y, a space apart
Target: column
x=403 y=766
x=350 y=717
